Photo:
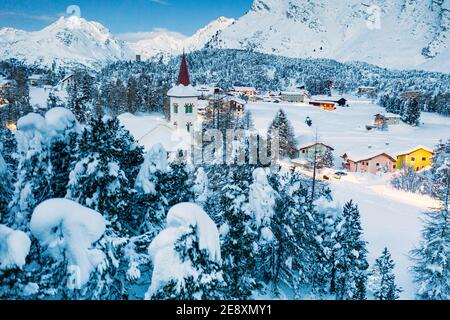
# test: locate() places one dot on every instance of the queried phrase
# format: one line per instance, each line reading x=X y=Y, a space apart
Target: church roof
x=183 y=76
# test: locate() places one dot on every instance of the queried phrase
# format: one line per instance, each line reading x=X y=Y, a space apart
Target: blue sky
x=123 y=16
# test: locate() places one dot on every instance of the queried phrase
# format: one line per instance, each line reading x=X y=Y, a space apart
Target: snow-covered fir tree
x=104 y=172
x=411 y=112
x=237 y=241
x=431 y=258
x=350 y=280
x=32 y=184
x=186 y=257
x=283 y=127
x=382 y=278
x=6 y=186
x=150 y=206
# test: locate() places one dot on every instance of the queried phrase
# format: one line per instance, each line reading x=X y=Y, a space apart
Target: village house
x=417 y=158
x=382 y=119
x=325 y=105
x=367 y=91
x=247 y=91
x=379 y=162
x=309 y=150
x=411 y=95
x=301 y=96
x=37 y=80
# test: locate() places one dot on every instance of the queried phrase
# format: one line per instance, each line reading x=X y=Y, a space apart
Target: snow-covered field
x=391 y=218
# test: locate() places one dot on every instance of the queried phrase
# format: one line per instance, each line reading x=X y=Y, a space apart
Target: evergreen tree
x=432 y=257
x=105 y=169
x=208 y=283
x=5 y=187
x=283 y=126
x=411 y=112
x=237 y=242
x=351 y=259
x=383 y=278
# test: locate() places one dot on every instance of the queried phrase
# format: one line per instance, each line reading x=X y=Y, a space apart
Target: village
x=375 y=154
x=191 y=104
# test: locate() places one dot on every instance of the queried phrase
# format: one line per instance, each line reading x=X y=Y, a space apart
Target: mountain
x=410 y=34
x=70 y=40
x=170 y=43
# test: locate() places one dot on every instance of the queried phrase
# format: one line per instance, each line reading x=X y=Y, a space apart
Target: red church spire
x=183 y=77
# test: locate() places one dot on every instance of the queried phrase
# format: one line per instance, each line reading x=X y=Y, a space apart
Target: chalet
x=366 y=91
x=309 y=150
x=379 y=162
x=411 y=95
x=235 y=105
x=247 y=91
x=301 y=96
x=382 y=119
x=37 y=80
x=325 y=105
x=418 y=158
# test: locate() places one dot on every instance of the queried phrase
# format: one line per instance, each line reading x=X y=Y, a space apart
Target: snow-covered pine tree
x=150 y=204
x=439 y=177
x=432 y=257
x=186 y=257
x=351 y=258
x=286 y=134
x=411 y=112
x=8 y=139
x=104 y=172
x=296 y=254
x=177 y=184
x=383 y=278
x=32 y=185
x=325 y=159
x=6 y=186
x=237 y=241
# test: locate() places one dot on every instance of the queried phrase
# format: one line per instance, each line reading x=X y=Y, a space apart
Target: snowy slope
x=412 y=33
x=69 y=40
x=170 y=43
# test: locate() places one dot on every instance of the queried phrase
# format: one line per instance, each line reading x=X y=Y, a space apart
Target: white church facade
x=183 y=101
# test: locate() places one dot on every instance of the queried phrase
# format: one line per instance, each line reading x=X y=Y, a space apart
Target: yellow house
x=418 y=158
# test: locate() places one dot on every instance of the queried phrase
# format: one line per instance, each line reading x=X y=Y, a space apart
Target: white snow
x=155 y=160
x=261 y=199
x=68 y=231
x=61 y=119
x=183 y=91
x=14 y=248
x=166 y=261
x=67 y=41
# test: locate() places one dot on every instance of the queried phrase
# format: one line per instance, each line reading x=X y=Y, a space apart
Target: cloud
x=134 y=37
x=45 y=18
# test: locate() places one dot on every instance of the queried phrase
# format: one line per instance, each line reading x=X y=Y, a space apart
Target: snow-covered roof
x=236 y=88
x=388 y=115
x=360 y=156
x=405 y=152
x=312 y=144
x=35 y=77
x=295 y=93
x=183 y=91
x=233 y=98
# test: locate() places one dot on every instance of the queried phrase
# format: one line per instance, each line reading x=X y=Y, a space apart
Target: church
x=183 y=99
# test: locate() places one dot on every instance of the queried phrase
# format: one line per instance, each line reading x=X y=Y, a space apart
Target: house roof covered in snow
x=182 y=91
x=312 y=144
x=405 y=152
x=237 y=88
x=358 y=157
x=35 y=77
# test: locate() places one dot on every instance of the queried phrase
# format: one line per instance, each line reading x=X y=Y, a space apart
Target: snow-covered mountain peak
x=69 y=40
x=171 y=43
